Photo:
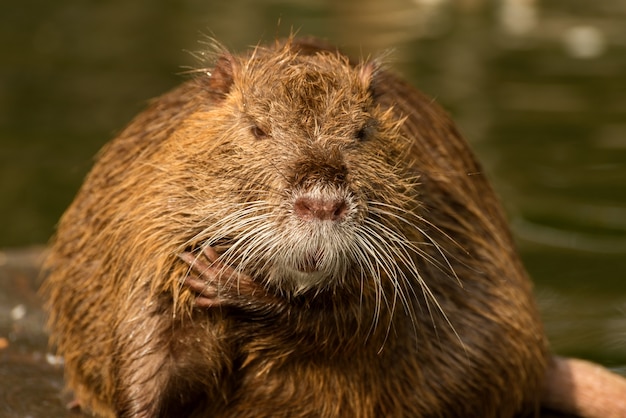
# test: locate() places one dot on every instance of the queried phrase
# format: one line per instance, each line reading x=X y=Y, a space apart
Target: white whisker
x=402 y=249
x=377 y=247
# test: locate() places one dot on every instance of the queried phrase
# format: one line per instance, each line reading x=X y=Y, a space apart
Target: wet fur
x=420 y=306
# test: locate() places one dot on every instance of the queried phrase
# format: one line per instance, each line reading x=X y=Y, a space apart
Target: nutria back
x=292 y=234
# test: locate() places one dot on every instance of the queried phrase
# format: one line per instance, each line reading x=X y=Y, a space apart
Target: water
x=539 y=90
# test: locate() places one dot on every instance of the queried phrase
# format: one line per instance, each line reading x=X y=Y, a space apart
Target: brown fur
x=428 y=314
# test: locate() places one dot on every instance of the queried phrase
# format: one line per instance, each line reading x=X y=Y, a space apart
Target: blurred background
x=537 y=87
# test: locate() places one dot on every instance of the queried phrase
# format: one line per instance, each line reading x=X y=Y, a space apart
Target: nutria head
x=299 y=172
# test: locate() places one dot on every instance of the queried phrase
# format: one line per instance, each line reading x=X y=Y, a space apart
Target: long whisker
x=440 y=249
x=378 y=247
x=402 y=285
x=402 y=249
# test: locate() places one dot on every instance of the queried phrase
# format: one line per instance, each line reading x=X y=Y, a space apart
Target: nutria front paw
x=217 y=284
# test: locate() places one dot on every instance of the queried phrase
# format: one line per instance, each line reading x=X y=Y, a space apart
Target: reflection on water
x=539 y=89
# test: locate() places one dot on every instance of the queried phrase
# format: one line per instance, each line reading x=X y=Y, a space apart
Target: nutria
x=291 y=233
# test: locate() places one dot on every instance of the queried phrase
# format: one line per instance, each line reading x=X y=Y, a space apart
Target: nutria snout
x=322 y=208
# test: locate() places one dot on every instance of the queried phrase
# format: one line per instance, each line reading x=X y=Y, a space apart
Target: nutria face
x=309 y=180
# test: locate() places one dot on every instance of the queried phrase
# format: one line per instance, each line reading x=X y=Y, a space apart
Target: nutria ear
x=221 y=78
x=368 y=72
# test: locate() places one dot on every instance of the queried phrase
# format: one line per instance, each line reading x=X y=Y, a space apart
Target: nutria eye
x=258 y=132
x=360 y=134
x=364 y=133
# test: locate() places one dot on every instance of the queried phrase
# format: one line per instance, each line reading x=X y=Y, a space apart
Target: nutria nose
x=324 y=209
